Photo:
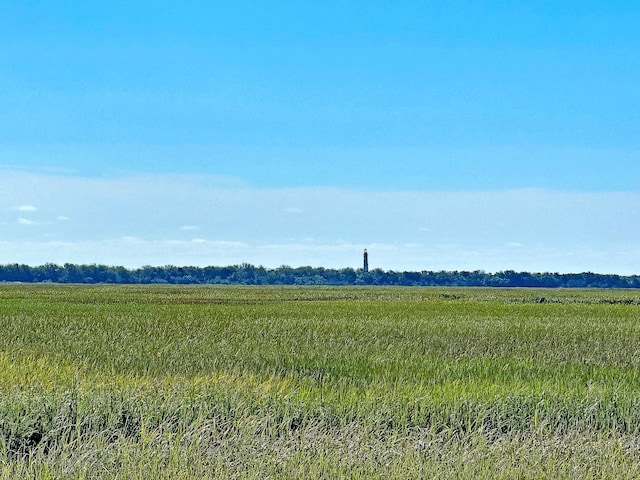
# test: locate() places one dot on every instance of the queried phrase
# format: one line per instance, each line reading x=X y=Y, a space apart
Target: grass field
x=252 y=382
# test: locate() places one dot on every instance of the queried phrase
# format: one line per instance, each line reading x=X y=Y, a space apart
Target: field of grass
x=285 y=382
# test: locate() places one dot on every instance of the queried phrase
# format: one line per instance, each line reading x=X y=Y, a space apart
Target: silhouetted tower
x=366 y=261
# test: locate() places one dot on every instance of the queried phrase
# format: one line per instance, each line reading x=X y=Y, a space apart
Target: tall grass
x=251 y=382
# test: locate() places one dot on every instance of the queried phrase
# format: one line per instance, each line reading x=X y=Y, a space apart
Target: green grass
x=253 y=382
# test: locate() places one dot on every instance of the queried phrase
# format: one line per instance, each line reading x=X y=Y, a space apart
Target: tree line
x=247 y=274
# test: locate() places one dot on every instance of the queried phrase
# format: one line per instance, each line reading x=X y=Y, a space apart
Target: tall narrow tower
x=366 y=261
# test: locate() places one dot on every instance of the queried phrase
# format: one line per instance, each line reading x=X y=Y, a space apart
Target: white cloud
x=25 y=208
x=25 y=221
x=189 y=228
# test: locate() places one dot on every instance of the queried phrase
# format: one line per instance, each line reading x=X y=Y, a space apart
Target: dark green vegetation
x=313 y=382
x=246 y=274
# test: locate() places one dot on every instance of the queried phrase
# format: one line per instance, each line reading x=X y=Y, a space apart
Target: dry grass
x=249 y=382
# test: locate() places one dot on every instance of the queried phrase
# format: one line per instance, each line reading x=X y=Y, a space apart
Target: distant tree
x=285 y=275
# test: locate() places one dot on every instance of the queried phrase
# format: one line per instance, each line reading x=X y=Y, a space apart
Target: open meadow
x=318 y=382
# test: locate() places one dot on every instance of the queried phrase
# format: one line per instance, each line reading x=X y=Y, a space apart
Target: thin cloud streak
x=25 y=208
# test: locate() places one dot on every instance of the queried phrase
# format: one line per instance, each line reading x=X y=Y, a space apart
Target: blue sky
x=440 y=135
